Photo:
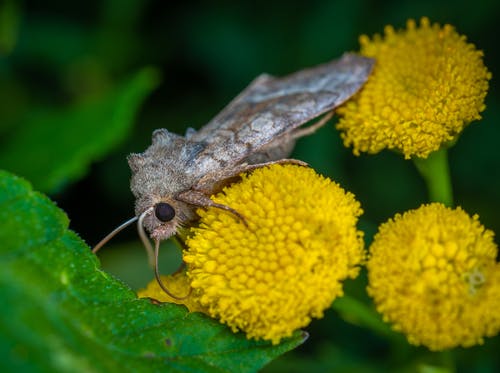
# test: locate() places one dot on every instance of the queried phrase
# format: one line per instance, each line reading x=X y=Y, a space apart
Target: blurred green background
x=84 y=83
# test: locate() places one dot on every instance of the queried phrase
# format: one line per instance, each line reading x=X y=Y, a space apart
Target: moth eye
x=164 y=212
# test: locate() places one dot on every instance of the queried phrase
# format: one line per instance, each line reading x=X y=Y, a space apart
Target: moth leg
x=197 y=198
x=309 y=130
x=282 y=145
x=251 y=167
x=214 y=182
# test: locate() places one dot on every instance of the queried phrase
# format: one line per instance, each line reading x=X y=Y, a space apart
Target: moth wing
x=270 y=107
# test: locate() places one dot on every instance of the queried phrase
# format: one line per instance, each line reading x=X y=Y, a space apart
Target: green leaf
x=55 y=148
x=61 y=313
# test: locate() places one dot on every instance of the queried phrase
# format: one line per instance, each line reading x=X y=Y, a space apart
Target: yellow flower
x=428 y=84
x=268 y=276
x=433 y=274
x=177 y=283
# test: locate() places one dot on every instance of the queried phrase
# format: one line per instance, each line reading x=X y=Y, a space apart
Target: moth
x=178 y=174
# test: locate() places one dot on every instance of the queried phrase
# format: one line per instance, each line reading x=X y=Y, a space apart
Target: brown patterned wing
x=271 y=107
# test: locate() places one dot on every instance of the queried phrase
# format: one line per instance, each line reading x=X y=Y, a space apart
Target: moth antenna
x=113 y=233
x=158 y=278
x=144 y=237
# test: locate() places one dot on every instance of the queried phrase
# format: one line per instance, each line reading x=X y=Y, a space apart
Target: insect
x=178 y=174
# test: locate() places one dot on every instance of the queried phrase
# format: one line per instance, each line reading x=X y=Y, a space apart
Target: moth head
x=158 y=175
x=162 y=219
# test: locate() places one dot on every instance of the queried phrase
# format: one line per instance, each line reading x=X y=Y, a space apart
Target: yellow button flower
x=177 y=283
x=427 y=85
x=282 y=266
x=433 y=274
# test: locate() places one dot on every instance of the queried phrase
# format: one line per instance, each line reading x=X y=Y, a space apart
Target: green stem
x=448 y=361
x=360 y=314
x=436 y=173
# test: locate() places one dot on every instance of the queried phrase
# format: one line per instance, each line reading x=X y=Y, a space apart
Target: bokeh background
x=64 y=67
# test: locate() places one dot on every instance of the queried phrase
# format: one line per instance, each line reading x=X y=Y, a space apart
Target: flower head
x=178 y=283
x=427 y=85
x=283 y=265
x=433 y=274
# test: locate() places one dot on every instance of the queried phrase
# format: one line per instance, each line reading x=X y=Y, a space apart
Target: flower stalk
x=436 y=173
